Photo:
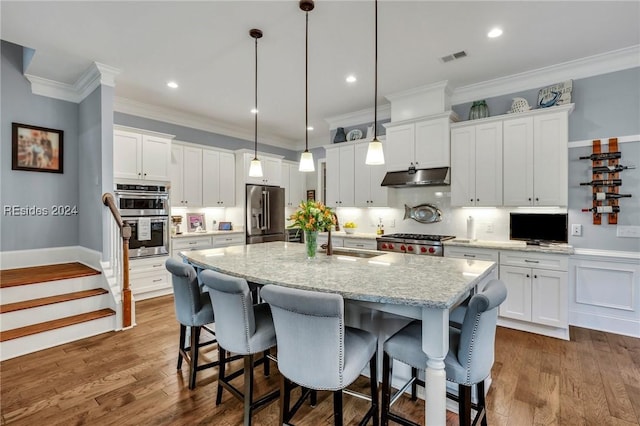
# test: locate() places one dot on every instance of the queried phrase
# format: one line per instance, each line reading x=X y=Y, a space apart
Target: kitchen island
x=418 y=287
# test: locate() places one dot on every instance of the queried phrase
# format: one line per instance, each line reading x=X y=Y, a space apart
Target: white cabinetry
x=360 y=243
x=189 y=244
x=535 y=160
x=340 y=176
x=271 y=169
x=537 y=292
x=218 y=184
x=149 y=277
x=335 y=241
x=367 y=179
x=472 y=254
x=422 y=143
x=186 y=176
x=476 y=165
x=293 y=184
x=139 y=155
x=228 y=240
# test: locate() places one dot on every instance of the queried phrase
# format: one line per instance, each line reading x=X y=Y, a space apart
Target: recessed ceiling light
x=254 y=111
x=310 y=128
x=351 y=78
x=496 y=32
x=172 y=84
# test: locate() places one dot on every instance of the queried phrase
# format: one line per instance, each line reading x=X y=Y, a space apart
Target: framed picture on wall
x=195 y=222
x=36 y=149
x=311 y=195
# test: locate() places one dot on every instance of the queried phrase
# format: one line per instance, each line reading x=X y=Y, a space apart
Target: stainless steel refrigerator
x=265 y=214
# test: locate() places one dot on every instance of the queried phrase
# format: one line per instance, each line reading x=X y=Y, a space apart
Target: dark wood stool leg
x=285 y=400
x=313 y=398
x=414 y=386
x=464 y=405
x=222 y=361
x=337 y=408
x=248 y=389
x=387 y=368
x=373 y=374
x=195 y=338
x=266 y=363
x=183 y=337
x=482 y=407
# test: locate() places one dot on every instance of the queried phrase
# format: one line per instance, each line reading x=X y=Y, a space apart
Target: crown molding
x=438 y=87
x=358 y=117
x=616 y=60
x=95 y=75
x=194 y=121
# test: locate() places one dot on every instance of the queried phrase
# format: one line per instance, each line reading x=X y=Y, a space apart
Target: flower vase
x=479 y=109
x=311 y=242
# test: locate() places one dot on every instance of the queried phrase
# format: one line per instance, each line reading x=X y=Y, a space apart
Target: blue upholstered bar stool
x=193 y=309
x=242 y=328
x=316 y=350
x=468 y=363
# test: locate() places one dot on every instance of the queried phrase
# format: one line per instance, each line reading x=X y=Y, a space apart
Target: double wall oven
x=145 y=208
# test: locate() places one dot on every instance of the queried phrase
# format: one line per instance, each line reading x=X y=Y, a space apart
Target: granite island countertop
x=392 y=278
x=511 y=245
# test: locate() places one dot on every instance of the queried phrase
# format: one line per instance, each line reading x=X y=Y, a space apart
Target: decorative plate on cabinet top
x=354 y=134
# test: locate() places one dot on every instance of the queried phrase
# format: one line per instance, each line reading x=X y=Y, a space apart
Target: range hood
x=417 y=177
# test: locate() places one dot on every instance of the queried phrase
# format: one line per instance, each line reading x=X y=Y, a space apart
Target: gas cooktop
x=418 y=237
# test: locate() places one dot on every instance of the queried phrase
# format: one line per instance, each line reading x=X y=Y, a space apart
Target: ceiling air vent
x=458 y=55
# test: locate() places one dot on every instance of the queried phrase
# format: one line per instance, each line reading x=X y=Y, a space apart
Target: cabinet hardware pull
x=158 y=265
x=192 y=243
x=535 y=276
x=469 y=255
x=528 y=276
x=531 y=261
x=159 y=279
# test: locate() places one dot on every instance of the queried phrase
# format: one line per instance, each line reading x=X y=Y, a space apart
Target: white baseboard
x=48 y=256
x=558 y=333
x=625 y=327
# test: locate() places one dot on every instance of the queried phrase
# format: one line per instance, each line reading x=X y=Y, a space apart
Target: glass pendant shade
x=306 y=162
x=255 y=169
x=375 y=154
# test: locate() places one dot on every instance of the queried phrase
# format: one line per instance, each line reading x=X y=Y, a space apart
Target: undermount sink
x=364 y=254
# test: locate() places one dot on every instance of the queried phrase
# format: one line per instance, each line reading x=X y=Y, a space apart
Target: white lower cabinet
x=190 y=243
x=149 y=277
x=335 y=241
x=537 y=292
x=472 y=254
x=228 y=240
x=360 y=243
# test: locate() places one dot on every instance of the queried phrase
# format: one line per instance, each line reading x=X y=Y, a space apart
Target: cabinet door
x=379 y=194
x=347 y=176
x=518 y=162
x=362 y=177
x=127 y=159
x=284 y=183
x=549 y=295
x=156 y=158
x=550 y=156
x=176 y=175
x=227 y=180
x=463 y=166
x=432 y=144
x=333 y=177
x=296 y=185
x=518 y=302
x=271 y=169
x=400 y=153
x=192 y=172
x=488 y=162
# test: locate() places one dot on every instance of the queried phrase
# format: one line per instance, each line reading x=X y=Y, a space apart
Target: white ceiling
x=205 y=46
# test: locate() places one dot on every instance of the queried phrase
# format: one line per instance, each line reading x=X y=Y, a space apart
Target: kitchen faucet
x=328 y=246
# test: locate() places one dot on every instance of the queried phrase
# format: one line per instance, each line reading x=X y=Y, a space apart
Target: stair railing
x=118 y=252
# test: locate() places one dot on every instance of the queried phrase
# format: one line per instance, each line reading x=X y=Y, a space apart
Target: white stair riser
x=28 y=344
x=24 y=317
x=52 y=288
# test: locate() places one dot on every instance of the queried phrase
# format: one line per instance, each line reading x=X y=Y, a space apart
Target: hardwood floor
x=130 y=378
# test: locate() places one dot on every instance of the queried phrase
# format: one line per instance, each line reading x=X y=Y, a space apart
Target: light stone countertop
x=511 y=245
x=392 y=278
x=356 y=235
x=206 y=233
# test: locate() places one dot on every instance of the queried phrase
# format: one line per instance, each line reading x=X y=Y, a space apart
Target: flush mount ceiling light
x=255 y=170
x=495 y=32
x=351 y=79
x=306 y=159
x=172 y=84
x=375 y=154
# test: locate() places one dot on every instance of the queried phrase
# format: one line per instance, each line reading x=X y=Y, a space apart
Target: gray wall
x=23 y=188
x=188 y=134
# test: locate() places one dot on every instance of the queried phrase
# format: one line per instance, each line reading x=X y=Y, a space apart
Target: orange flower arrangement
x=313 y=216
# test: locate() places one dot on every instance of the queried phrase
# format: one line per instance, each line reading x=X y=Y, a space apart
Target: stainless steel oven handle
x=145 y=195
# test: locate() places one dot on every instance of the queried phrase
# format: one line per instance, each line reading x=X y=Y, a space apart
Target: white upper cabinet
x=186 y=176
x=422 y=143
x=271 y=170
x=293 y=184
x=535 y=160
x=476 y=165
x=340 y=176
x=367 y=179
x=218 y=179
x=137 y=155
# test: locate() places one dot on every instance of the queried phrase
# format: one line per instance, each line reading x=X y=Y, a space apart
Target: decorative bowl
x=350 y=230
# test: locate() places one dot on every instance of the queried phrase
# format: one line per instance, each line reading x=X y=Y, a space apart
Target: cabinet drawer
x=150 y=282
x=361 y=244
x=150 y=265
x=534 y=260
x=197 y=243
x=335 y=241
x=471 y=253
x=228 y=240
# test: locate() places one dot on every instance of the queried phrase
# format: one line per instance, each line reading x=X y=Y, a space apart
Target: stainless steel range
x=429 y=245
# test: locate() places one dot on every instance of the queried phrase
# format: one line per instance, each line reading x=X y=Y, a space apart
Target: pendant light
x=306 y=159
x=375 y=154
x=255 y=170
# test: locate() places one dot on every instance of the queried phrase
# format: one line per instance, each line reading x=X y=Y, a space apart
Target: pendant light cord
x=255 y=152
x=375 y=92
x=306 y=84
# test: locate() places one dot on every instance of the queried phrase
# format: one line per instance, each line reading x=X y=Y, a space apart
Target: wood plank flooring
x=39 y=274
x=130 y=378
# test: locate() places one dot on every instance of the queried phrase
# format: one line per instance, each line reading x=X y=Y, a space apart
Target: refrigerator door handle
x=268 y=211
x=265 y=211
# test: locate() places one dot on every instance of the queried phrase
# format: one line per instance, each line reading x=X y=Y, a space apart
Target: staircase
x=45 y=306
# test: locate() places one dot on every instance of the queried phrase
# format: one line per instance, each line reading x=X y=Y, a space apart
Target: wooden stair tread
x=46 y=273
x=55 y=324
x=27 y=304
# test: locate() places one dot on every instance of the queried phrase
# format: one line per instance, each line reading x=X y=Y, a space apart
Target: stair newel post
x=126 y=289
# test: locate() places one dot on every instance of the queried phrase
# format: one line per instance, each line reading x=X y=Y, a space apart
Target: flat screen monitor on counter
x=535 y=228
